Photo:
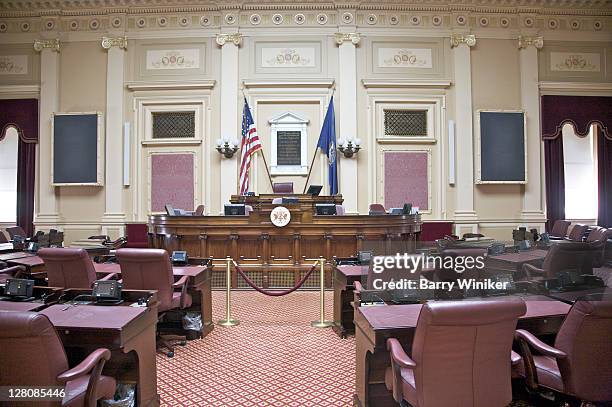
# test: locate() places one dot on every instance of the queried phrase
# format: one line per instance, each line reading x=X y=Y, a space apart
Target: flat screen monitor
x=234 y=209
x=314 y=190
x=396 y=211
x=325 y=209
x=290 y=200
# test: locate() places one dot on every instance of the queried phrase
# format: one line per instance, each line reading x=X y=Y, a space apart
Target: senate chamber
x=319 y=203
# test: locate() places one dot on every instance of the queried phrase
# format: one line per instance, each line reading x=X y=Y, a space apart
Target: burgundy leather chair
x=4 y=236
x=33 y=355
x=563 y=256
x=597 y=239
x=461 y=355
x=199 y=210
x=137 y=235
x=70 y=268
x=577 y=233
x=16 y=231
x=377 y=209
x=150 y=269
x=580 y=362
x=282 y=187
x=559 y=230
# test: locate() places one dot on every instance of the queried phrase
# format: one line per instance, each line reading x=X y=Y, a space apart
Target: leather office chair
x=580 y=362
x=16 y=231
x=150 y=269
x=559 y=230
x=563 y=256
x=377 y=209
x=4 y=236
x=597 y=239
x=34 y=356
x=137 y=235
x=199 y=210
x=282 y=187
x=70 y=268
x=340 y=210
x=461 y=355
x=577 y=233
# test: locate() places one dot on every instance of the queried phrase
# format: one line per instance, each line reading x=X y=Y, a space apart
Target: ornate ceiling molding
x=525 y=41
x=222 y=39
x=120 y=42
x=354 y=38
x=467 y=39
x=53 y=45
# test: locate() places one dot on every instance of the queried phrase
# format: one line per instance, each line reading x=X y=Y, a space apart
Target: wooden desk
x=374 y=325
x=21 y=306
x=513 y=262
x=280 y=254
x=129 y=332
x=6 y=248
x=198 y=286
x=344 y=285
x=570 y=297
x=32 y=263
x=15 y=255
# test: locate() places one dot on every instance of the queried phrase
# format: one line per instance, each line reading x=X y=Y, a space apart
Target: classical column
x=347 y=112
x=114 y=217
x=530 y=102
x=230 y=113
x=47 y=216
x=464 y=186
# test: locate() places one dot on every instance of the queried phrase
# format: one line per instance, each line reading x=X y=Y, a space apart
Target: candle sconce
x=227 y=148
x=349 y=148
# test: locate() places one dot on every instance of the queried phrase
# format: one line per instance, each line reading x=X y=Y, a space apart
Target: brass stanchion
x=228 y=321
x=322 y=323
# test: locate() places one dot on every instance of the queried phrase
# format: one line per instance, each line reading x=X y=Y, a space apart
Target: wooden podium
x=279 y=256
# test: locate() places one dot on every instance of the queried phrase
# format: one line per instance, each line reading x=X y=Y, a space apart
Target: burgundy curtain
x=555 y=181
x=604 y=170
x=23 y=115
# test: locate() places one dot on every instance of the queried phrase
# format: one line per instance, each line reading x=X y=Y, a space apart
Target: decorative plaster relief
x=405 y=57
x=13 y=64
x=287 y=57
x=575 y=62
x=173 y=59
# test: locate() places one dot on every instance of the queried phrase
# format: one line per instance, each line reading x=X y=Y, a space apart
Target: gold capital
x=235 y=38
x=524 y=42
x=467 y=39
x=53 y=45
x=354 y=38
x=108 y=42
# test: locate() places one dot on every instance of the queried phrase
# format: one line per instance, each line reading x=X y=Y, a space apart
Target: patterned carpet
x=273 y=358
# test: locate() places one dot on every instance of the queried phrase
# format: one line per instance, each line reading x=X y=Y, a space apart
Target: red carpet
x=273 y=358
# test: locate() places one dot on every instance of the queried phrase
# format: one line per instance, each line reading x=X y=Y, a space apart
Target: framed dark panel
x=501 y=156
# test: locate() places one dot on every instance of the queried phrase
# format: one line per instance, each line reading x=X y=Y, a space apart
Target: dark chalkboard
x=501 y=148
x=76 y=149
x=289 y=147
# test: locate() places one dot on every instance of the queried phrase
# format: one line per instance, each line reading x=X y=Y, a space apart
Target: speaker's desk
x=129 y=333
x=268 y=250
x=198 y=286
x=375 y=324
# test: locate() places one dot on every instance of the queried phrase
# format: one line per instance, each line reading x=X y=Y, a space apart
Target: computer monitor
x=396 y=211
x=325 y=209
x=234 y=210
x=314 y=190
x=290 y=200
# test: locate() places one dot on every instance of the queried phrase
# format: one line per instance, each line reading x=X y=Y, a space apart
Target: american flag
x=250 y=145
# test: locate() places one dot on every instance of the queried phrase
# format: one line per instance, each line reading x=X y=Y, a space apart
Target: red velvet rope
x=274 y=293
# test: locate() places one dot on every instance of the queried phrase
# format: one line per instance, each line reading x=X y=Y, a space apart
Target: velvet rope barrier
x=274 y=293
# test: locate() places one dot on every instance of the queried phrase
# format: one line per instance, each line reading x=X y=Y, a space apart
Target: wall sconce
x=349 y=148
x=226 y=147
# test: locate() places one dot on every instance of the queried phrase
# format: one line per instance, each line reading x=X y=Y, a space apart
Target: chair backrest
x=577 y=233
x=147 y=269
x=462 y=352
x=32 y=353
x=377 y=209
x=199 y=210
x=4 y=236
x=585 y=337
x=340 y=210
x=137 y=235
x=565 y=256
x=560 y=228
x=16 y=231
x=282 y=187
x=599 y=234
x=68 y=267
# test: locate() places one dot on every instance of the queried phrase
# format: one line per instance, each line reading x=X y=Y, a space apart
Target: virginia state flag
x=327 y=143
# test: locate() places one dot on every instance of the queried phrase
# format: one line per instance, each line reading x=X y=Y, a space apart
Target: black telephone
x=179 y=258
x=505 y=279
x=107 y=292
x=19 y=289
x=364 y=258
x=570 y=278
x=496 y=249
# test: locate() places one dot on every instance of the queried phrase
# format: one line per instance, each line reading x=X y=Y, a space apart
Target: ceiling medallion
x=205 y=21
x=528 y=21
x=116 y=22
x=347 y=18
x=230 y=18
x=436 y=20
x=162 y=21
x=597 y=25
x=322 y=19
x=94 y=24
x=277 y=19
x=25 y=26
x=553 y=24
x=504 y=22
x=255 y=19
x=484 y=21
x=49 y=24
x=299 y=19
x=184 y=21
x=141 y=22
x=461 y=20
x=394 y=19
x=74 y=25
x=371 y=19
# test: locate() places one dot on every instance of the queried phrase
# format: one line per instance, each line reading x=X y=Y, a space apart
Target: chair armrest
x=83 y=368
x=14 y=271
x=515 y=358
x=532 y=270
x=182 y=281
x=538 y=345
x=398 y=355
x=109 y=276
